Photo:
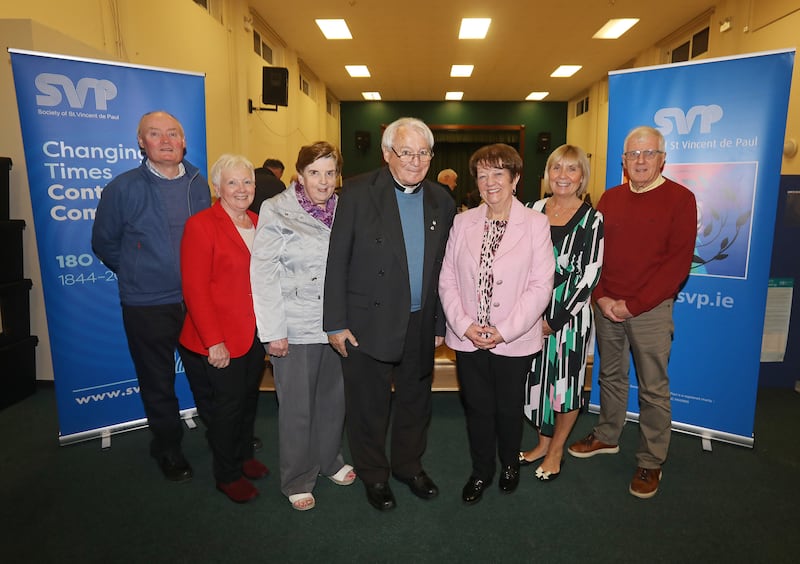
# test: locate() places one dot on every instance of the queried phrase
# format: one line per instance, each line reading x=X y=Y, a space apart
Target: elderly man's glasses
x=648 y=154
x=407 y=156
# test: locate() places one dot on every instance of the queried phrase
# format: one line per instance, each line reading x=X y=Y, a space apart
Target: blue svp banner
x=79 y=119
x=724 y=122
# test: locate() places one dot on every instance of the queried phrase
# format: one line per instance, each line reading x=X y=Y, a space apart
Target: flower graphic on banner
x=725 y=193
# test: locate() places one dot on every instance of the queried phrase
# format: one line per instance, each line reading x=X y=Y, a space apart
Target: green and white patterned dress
x=555 y=381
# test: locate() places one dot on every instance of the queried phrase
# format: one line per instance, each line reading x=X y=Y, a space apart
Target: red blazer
x=215 y=268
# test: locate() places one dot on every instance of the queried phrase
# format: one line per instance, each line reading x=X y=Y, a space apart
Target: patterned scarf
x=323 y=215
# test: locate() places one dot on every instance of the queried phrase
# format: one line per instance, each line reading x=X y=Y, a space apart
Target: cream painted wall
x=590 y=131
x=165 y=34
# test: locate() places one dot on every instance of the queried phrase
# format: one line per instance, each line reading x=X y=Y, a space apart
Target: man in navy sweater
x=137 y=233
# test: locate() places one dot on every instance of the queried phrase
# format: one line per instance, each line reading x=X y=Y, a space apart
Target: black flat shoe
x=380 y=496
x=525 y=462
x=509 y=479
x=473 y=490
x=421 y=485
x=544 y=476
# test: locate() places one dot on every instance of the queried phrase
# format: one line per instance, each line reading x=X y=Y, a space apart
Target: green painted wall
x=535 y=116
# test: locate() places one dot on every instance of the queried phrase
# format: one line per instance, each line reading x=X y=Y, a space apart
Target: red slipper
x=240 y=491
x=254 y=469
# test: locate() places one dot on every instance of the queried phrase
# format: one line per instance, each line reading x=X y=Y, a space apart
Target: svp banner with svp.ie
x=723 y=121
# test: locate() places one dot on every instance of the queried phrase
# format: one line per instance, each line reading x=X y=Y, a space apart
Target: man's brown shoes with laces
x=645 y=482
x=589 y=446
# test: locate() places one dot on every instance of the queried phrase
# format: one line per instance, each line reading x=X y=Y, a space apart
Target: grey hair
x=227 y=161
x=642 y=131
x=414 y=124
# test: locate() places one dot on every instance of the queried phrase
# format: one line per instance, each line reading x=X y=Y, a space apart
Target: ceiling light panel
x=537 y=96
x=334 y=29
x=371 y=95
x=474 y=28
x=615 y=28
x=461 y=70
x=453 y=95
x=565 y=71
x=357 y=71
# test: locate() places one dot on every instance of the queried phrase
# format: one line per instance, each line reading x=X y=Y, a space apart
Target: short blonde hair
x=570 y=154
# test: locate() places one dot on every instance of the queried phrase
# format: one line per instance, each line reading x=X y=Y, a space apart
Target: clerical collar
x=406 y=189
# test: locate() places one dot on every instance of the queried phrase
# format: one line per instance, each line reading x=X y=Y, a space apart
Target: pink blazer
x=215 y=267
x=523 y=279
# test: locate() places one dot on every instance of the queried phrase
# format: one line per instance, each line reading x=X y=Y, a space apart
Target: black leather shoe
x=175 y=467
x=473 y=490
x=509 y=479
x=421 y=485
x=380 y=496
x=257 y=444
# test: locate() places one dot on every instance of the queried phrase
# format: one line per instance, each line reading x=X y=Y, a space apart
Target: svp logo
x=667 y=118
x=54 y=87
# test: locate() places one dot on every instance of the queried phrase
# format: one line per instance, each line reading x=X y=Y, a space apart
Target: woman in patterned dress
x=555 y=381
x=495 y=283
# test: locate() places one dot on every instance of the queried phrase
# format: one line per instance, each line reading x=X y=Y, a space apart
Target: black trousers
x=152 y=333
x=229 y=406
x=492 y=390
x=368 y=400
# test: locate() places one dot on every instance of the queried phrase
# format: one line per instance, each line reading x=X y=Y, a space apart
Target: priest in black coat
x=382 y=310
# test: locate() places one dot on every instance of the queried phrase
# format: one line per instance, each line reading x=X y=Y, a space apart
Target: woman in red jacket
x=218 y=342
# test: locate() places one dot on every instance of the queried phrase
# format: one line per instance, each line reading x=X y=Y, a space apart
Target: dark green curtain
x=452 y=149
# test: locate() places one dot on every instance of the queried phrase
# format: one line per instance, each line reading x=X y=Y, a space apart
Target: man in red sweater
x=650 y=229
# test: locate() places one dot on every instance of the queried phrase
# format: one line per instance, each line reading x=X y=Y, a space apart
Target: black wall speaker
x=362 y=141
x=275 y=86
x=543 y=142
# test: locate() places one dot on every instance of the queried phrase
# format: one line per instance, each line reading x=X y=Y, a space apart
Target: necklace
x=558 y=212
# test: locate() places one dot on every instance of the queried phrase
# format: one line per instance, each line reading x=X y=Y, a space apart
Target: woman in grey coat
x=287 y=274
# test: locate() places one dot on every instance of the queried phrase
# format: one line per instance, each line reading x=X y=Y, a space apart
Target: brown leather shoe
x=589 y=446
x=645 y=482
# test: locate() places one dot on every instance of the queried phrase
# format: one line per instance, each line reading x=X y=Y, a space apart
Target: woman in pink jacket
x=495 y=283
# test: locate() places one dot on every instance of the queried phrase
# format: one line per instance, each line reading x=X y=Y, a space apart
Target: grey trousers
x=310 y=389
x=648 y=337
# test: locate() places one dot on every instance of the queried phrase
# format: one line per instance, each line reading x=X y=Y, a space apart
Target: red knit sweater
x=649 y=244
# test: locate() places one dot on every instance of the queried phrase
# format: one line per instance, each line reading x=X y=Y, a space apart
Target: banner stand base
x=188 y=418
x=706 y=435
x=105 y=433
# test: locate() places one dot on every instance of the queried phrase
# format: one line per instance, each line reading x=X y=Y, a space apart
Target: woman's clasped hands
x=484 y=337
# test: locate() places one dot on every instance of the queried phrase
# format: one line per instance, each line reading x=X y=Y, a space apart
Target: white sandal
x=297 y=501
x=344 y=477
